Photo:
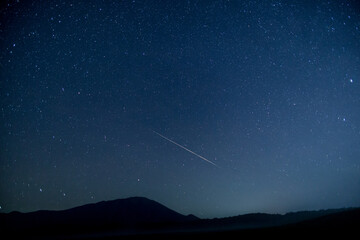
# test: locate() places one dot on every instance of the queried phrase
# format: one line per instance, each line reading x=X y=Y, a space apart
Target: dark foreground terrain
x=141 y=218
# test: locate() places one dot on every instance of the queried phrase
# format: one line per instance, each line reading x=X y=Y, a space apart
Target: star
x=227 y=87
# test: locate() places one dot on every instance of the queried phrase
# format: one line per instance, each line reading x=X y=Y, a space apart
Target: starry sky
x=95 y=94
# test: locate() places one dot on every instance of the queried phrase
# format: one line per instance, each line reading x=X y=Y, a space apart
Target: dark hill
x=141 y=217
x=342 y=220
x=260 y=220
x=130 y=213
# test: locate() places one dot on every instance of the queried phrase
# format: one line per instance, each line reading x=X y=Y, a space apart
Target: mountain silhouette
x=130 y=213
x=143 y=217
x=261 y=220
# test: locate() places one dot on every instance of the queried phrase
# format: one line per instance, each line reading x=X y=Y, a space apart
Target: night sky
x=214 y=108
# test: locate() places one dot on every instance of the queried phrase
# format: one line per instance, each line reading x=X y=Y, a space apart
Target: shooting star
x=207 y=160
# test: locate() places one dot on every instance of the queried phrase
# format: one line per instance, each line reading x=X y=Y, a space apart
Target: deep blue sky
x=267 y=90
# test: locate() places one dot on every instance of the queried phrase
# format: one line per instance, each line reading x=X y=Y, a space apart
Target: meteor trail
x=186 y=149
